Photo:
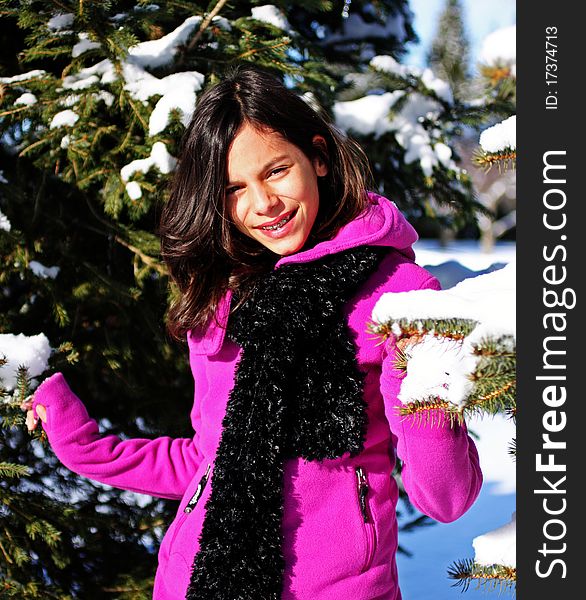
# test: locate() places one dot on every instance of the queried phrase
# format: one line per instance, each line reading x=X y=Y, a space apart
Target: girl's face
x=272 y=194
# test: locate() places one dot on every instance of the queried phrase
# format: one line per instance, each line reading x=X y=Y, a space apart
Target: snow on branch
x=499 y=49
x=177 y=91
x=457 y=346
x=32 y=352
x=498 y=144
x=402 y=113
x=495 y=560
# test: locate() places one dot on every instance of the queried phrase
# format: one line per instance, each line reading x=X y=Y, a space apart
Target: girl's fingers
x=27 y=404
x=42 y=412
x=31 y=422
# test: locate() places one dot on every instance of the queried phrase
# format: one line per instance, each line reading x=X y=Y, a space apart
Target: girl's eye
x=278 y=170
x=232 y=190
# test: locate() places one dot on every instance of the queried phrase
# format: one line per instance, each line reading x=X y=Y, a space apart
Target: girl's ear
x=319 y=162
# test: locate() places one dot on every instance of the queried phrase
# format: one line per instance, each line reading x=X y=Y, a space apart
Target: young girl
x=279 y=255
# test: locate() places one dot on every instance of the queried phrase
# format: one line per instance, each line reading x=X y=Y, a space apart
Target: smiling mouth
x=280 y=224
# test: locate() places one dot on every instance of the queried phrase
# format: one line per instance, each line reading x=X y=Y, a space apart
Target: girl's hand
x=31 y=421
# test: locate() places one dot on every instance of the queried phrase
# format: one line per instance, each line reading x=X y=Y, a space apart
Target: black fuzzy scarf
x=297 y=393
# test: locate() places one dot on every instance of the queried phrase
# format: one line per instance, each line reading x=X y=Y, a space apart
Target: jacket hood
x=380 y=224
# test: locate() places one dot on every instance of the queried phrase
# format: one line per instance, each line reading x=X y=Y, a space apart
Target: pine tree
x=94 y=98
x=449 y=53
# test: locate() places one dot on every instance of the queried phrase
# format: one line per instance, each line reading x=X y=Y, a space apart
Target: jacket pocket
x=191 y=504
x=370 y=540
x=198 y=491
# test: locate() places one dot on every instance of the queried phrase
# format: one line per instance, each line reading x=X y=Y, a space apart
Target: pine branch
x=151 y=262
x=503 y=159
x=6 y=555
x=205 y=24
x=12 y=470
x=13 y=111
x=495 y=576
x=496 y=74
x=512 y=449
x=454 y=329
x=266 y=48
x=431 y=411
x=400 y=362
x=29 y=148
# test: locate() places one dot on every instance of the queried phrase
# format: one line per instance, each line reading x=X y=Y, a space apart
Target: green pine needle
x=494 y=577
x=11 y=470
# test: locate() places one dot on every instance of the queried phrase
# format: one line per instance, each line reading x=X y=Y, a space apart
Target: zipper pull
x=198 y=492
x=362 y=492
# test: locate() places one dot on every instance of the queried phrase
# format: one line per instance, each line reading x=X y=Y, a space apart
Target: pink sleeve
x=159 y=467
x=441 y=471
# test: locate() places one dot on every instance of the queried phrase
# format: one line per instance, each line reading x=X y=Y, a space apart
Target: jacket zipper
x=368 y=523
x=198 y=492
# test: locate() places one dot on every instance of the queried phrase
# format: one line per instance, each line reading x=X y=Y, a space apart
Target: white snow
x=60 y=21
x=367 y=115
x=488 y=298
x=177 y=91
x=269 y=13
x=26 y=99
x=370 y=115
x=444 y=368
x=5 y=224
x=500 y=47
x=154 y=54
x=65 y=140
x=42 y=271
x=83 y=45
x=439 y=86
x=81 y=84
x=413 y=136
x=133 y=190
x=497 y=547
x=2 y=178
x=23 y=76
x=73 y=99
x=106 y=97
x=103 y=70
x=441 y=367
x=444 y=154
x=501 y=136
x=31 y=351
x=159 y=158
x=65 y=118
x=387 y=64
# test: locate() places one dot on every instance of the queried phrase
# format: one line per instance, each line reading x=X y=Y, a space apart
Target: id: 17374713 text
x=551 y=68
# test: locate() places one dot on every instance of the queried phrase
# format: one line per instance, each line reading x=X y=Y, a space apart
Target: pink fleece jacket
x=336 y=546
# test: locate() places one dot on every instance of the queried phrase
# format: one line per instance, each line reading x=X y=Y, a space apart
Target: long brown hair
x=204 y=251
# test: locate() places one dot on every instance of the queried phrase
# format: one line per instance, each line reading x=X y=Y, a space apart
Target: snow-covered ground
x=436 y=548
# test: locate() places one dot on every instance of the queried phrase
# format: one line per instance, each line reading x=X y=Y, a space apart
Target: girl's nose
x=263 y=199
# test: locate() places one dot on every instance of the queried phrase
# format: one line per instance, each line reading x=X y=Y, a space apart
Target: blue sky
x=481 y=18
